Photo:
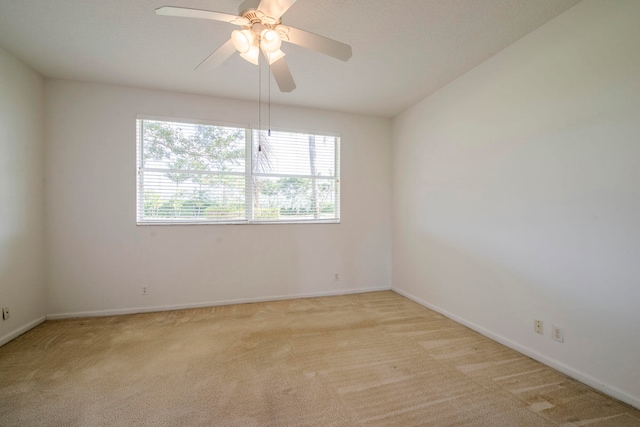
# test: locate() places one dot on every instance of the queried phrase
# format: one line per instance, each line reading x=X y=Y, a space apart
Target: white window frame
x=248 y=174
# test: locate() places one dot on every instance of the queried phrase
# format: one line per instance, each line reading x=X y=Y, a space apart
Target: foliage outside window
x=207 y=174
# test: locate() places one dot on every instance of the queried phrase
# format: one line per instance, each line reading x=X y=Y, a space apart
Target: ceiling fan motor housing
x=259 y=22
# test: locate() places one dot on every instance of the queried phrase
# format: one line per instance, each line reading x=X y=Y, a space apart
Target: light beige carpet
x=358 y=360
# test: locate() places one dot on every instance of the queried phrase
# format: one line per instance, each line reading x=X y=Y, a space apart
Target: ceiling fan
x=261 y=30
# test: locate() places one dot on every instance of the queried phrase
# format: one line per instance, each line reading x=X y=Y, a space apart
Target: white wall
x=21 y=197
x=516 y=195
x=98 y=257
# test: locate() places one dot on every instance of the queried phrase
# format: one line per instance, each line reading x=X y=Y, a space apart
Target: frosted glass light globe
x=270 y=41
x=242 y=40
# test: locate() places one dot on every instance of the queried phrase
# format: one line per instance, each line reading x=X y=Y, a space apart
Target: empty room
x=320 y=213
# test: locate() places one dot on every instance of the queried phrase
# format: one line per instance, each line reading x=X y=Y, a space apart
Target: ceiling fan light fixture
x=252 y=55
x=243 y=40
x=270 y=41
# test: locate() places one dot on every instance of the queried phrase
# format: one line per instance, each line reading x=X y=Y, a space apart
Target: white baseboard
x=11 y=335
x=134 y=310
x=567 y=370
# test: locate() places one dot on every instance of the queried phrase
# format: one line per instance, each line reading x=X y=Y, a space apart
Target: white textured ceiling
x=403 y=50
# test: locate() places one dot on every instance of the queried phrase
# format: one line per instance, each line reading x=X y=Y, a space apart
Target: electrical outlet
x=336 y=277
x=538 y=327
x=557 y=333
x=5 y=313
x=144 y=290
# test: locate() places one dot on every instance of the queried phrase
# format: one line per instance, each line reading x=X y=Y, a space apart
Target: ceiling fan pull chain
x=259 y=106
x=269 y=110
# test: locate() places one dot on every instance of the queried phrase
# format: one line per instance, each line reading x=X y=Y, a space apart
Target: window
x=198 y=173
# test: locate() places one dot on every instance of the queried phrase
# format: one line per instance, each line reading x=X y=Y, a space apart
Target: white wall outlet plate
x=5 y=313
x=557 y=333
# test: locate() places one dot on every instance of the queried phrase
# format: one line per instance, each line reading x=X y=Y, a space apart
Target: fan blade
x=275 y=8
x=218 y=56
x=318 y=43
x=199 y=13
x=283 y=76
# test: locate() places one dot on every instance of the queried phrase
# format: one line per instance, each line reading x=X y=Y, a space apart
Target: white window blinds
x=201 y=173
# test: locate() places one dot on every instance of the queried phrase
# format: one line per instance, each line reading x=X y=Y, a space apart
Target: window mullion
x=248 y=195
